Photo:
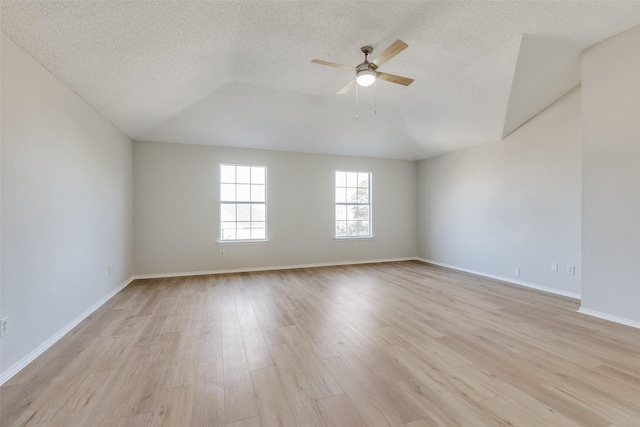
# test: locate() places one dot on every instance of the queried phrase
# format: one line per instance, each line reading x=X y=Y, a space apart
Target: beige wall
x=611 y=177
x=513 y=203
x=66 y=207
x=177 y=210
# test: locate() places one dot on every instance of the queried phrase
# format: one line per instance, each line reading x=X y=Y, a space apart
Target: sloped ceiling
x=239 y=73
x=546 y=68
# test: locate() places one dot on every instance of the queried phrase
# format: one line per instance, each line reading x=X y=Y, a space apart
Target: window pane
x=244 y=212
x=228 y=212
x=352 y=228
x=352 y=179
x=363 y=180
x=227 y=173
x=351 y=212
x=257 y=193
x=243 y=192
x=227 y=230
x=365 y=228
x=258 y=212
x=363 y=195
x=243 y=174
x=341 y=195
x=257 y=175
x=244 y=231
x=258 y=230
x=341 y=228
x=358 y=228
x=228 y=192
x=352 y=195
x=341 y=179
x=360 y=212
x=341 y=213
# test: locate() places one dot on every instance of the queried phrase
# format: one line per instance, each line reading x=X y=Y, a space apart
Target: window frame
x=348 y=204
x=236 y=203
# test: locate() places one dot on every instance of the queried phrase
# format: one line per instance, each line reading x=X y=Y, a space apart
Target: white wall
x=513 y=203
x=66 y=202
x=611 y=177
x=177 y=210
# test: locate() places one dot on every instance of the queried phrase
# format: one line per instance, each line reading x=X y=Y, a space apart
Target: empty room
x=314 y=213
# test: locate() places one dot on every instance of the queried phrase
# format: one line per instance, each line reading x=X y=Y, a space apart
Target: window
x=353 y=204
x=243 y=207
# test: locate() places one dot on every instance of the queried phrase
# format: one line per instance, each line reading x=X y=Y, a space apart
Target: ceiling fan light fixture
x=366 y=72
x=366 y=77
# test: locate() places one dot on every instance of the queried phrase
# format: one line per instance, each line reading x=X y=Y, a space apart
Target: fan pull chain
x=375 y=96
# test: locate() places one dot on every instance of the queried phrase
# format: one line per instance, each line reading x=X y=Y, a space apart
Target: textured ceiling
x=239 y=73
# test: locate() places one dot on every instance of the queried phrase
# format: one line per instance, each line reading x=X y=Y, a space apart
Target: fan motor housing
x=366 y=66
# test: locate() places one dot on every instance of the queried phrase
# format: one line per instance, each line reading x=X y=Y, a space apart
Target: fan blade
x=346 y=87
x=333 y=64
x=405 y=81
x=395 y=48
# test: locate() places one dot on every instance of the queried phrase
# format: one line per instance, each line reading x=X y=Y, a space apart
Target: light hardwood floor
x=399 y=344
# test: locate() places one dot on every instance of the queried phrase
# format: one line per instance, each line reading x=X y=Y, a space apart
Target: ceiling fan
x=367 y=72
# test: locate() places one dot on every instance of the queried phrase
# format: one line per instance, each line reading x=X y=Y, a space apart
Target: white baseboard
x=267 y=268
x=587 y=311
x=19 y=365
x=507 y=279
x=610 y=317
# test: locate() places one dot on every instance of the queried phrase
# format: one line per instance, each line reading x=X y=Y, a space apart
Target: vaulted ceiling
x=239 y=73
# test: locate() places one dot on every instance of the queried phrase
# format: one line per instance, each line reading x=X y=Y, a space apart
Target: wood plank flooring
x=390 y=344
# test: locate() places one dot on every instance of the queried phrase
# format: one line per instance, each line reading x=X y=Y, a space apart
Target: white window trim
x=220 y=203
x=353 y=238
x=370 y=204
x=242 y=242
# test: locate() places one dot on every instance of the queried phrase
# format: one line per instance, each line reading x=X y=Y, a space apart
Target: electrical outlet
x=222 y=253
x=554 y=266
x=4 y=325
x=516 y=272
x=355 y=246
x=571 y=270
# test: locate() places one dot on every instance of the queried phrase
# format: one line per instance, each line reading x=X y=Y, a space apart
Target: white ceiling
x=239 y=73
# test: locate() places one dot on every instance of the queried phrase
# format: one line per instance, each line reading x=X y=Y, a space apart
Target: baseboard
x=506 y=279
x=267 y=268
x=609 y=317
x=19 y=365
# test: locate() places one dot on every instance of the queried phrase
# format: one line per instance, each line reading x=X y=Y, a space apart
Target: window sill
x=354 y=238
x=242 y=242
